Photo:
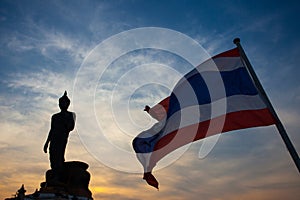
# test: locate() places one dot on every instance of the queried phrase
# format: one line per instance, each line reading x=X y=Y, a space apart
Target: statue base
x=71 y=183
x=72 y=180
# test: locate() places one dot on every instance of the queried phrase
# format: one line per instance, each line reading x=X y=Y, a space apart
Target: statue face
x=63 y=105
x=64 y=102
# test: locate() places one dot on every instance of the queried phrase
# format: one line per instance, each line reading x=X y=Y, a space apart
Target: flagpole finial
x=236 y=40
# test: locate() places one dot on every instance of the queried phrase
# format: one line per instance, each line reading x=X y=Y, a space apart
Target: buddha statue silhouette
x=61 y=125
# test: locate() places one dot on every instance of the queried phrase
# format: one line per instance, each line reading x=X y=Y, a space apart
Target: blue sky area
x=45 y=47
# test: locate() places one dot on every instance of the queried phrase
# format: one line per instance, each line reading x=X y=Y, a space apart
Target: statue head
x=64 y=102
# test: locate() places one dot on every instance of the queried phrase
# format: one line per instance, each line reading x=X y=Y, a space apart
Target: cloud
x=42 y=82
x=58 y=46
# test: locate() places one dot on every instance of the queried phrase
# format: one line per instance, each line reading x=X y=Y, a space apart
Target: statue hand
x=45 y=147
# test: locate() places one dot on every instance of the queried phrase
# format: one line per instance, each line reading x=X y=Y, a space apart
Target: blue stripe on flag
x=236 y=82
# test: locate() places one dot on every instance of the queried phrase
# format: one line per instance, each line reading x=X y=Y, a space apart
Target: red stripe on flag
x=159 y=111
x=235 y=120
x=230 y=53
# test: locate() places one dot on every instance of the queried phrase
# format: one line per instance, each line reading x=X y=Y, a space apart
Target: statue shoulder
x=72 y=114
x=55 y=115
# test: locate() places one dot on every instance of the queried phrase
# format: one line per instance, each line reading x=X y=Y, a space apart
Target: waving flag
x=217 y=96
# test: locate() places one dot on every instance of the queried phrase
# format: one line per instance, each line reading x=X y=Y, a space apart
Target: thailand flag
x=217 y=96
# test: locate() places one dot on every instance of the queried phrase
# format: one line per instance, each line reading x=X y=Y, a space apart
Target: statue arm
x=48 y=138
x=47 y=142
x=72 y=123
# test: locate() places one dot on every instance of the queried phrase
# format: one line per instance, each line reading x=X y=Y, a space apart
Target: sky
x=115 y=57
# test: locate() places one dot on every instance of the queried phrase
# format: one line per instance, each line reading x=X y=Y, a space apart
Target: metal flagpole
x=265 y=98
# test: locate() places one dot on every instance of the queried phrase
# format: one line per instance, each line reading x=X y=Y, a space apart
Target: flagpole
x=265 y=98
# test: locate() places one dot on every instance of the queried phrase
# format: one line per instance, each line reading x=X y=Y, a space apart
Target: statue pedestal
x=73 y=180
x=72 y=183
